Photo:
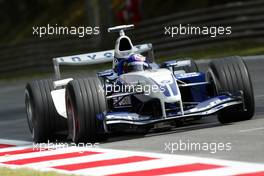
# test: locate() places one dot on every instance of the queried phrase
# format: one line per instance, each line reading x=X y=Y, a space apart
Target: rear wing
x=94 y=58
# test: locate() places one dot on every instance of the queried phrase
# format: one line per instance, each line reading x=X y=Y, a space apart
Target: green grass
x=27 y=172
x=65 y=72
x=242 y=48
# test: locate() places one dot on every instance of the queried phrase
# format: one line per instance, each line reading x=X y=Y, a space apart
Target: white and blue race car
x=136 y=94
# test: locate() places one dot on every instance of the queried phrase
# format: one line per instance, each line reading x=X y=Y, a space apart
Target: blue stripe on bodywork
x=166 y=91
x=174 y=87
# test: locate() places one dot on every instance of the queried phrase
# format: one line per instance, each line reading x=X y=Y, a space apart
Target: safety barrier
x=245 y=18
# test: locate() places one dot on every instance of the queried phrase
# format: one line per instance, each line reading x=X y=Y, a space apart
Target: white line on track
x=252 y=129
x=14 y=142
x=259 y=96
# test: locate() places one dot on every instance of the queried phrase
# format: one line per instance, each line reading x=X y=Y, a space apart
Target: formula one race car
x=136 y=94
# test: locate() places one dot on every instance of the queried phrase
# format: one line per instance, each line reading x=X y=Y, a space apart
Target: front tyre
x=85 y=105
x=231 y=75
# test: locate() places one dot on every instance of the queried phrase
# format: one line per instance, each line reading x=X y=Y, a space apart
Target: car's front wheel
x=231 y=75
x=85 y=105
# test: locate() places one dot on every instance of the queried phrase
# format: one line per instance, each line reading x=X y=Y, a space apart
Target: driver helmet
x=135 y=62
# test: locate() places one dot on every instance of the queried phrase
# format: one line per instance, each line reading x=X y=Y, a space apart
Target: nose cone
x=159 y=83
x=169 y=90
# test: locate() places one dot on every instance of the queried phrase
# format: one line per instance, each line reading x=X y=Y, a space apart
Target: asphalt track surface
x=246 y=138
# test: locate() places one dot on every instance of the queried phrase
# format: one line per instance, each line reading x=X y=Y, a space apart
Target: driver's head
x=135 y=62
x=136 y=58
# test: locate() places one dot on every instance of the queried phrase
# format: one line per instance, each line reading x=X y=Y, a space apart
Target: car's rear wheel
x=192 y=68
x=42 y=117
x=187 y=69
x=85 y=104
x=231 y=75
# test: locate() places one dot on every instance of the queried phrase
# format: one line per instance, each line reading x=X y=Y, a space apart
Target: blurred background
x=22 y=53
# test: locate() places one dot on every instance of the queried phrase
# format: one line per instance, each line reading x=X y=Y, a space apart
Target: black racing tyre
x=231 y=75
x=85 y=103
x=42 y=117
x=190 y=69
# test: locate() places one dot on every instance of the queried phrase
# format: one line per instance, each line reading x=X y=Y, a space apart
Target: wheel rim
x=29 y=110
x=74 y=120
x=76 y=127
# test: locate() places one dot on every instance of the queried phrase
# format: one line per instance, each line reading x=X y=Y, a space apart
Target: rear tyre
x=42 y=117
x=189 y=69
x=85 y=104
x=231 y=75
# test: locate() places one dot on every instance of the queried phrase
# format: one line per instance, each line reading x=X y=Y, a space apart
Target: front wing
x=205 y=108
